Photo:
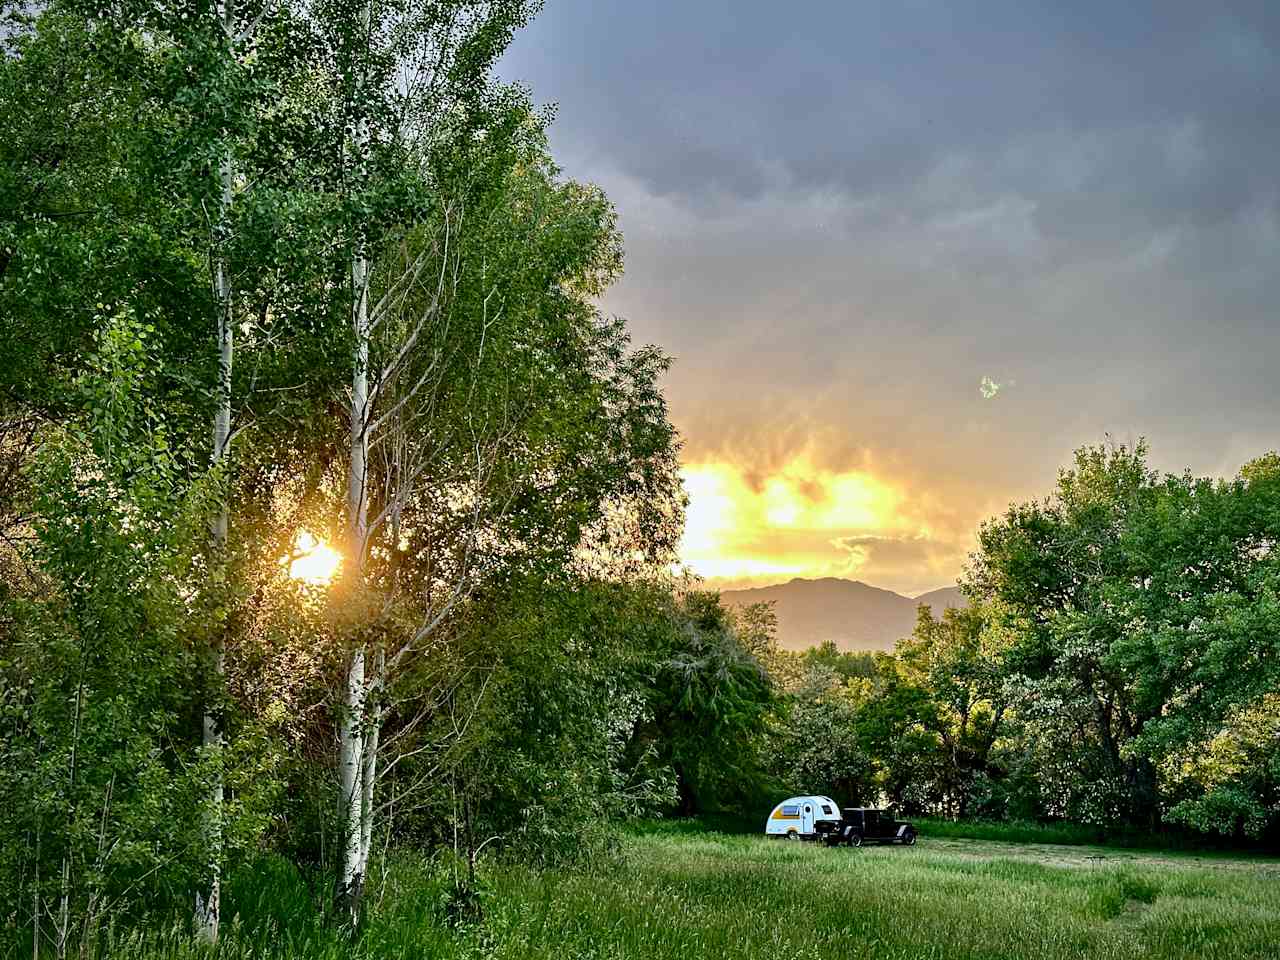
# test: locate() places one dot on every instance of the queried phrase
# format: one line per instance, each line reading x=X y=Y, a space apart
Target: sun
x=313 y=561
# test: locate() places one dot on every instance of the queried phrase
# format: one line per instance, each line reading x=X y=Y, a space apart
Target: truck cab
x=872 y=825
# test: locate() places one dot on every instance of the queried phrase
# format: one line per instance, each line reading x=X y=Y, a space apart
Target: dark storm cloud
x=699 y=97
x=860 y=210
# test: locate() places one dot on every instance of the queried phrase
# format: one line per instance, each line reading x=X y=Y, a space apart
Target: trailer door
x=806 y=819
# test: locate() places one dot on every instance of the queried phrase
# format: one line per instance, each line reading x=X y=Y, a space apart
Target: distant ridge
x=856 y=615
x=945 y=598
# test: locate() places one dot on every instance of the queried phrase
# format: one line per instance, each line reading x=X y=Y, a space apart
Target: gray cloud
x=841 y=216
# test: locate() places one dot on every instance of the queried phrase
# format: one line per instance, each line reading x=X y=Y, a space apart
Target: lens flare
x=313 y=561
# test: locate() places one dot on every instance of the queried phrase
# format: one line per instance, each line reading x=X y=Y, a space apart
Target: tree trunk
x=369 y=764
x=351 y=791
x=1144 y=791
x=64 y=910
x=209 y=901
x=355 y=797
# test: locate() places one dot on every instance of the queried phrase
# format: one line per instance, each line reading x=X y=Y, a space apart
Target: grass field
x=678 y=893
x=1073 y=834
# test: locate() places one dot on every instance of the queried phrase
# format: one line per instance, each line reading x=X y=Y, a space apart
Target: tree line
x=1116 y=666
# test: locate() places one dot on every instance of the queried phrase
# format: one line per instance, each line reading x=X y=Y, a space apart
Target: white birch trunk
x=369 y=767
x=356 y=749
x=350 y=792
x=209 y=901
x=353 y=733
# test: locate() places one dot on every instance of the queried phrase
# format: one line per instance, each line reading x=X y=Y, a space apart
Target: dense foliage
x=1116 y=666
x=195 y=204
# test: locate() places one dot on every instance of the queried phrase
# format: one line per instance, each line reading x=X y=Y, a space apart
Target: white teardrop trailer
x=821 y=818
x=804 y=818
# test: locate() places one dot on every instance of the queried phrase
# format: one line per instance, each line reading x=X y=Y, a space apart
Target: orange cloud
x=799 y=517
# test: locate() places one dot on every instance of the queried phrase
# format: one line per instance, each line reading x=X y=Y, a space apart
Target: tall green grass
x=1006 y=831
x=1075 y=834
x=1071 y=834
x=679 y=893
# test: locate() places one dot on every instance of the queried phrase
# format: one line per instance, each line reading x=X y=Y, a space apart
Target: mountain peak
x=842 y=580
x=853 y=614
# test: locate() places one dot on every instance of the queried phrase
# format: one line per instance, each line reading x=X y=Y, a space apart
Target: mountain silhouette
x=853 y=614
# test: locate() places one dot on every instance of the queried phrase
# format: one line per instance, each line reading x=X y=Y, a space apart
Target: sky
x=908 y=256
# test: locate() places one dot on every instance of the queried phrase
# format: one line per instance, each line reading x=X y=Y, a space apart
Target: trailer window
x=826 y=809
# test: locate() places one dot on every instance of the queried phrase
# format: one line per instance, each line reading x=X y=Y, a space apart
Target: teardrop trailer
x=819 y=818
x=804 y=818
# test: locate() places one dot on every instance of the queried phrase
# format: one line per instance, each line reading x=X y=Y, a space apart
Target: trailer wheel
x=792 y=835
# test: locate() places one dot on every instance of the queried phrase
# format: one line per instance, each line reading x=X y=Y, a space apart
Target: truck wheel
x=909 y=838
x=855 y=839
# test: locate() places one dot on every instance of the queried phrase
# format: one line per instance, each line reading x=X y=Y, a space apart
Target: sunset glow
x=314 y=561
x=799 y=520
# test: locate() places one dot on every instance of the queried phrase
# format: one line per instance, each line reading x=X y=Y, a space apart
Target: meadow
x=683 y=892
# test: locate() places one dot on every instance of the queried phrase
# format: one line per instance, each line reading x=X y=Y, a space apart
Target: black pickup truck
x=868 y=825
